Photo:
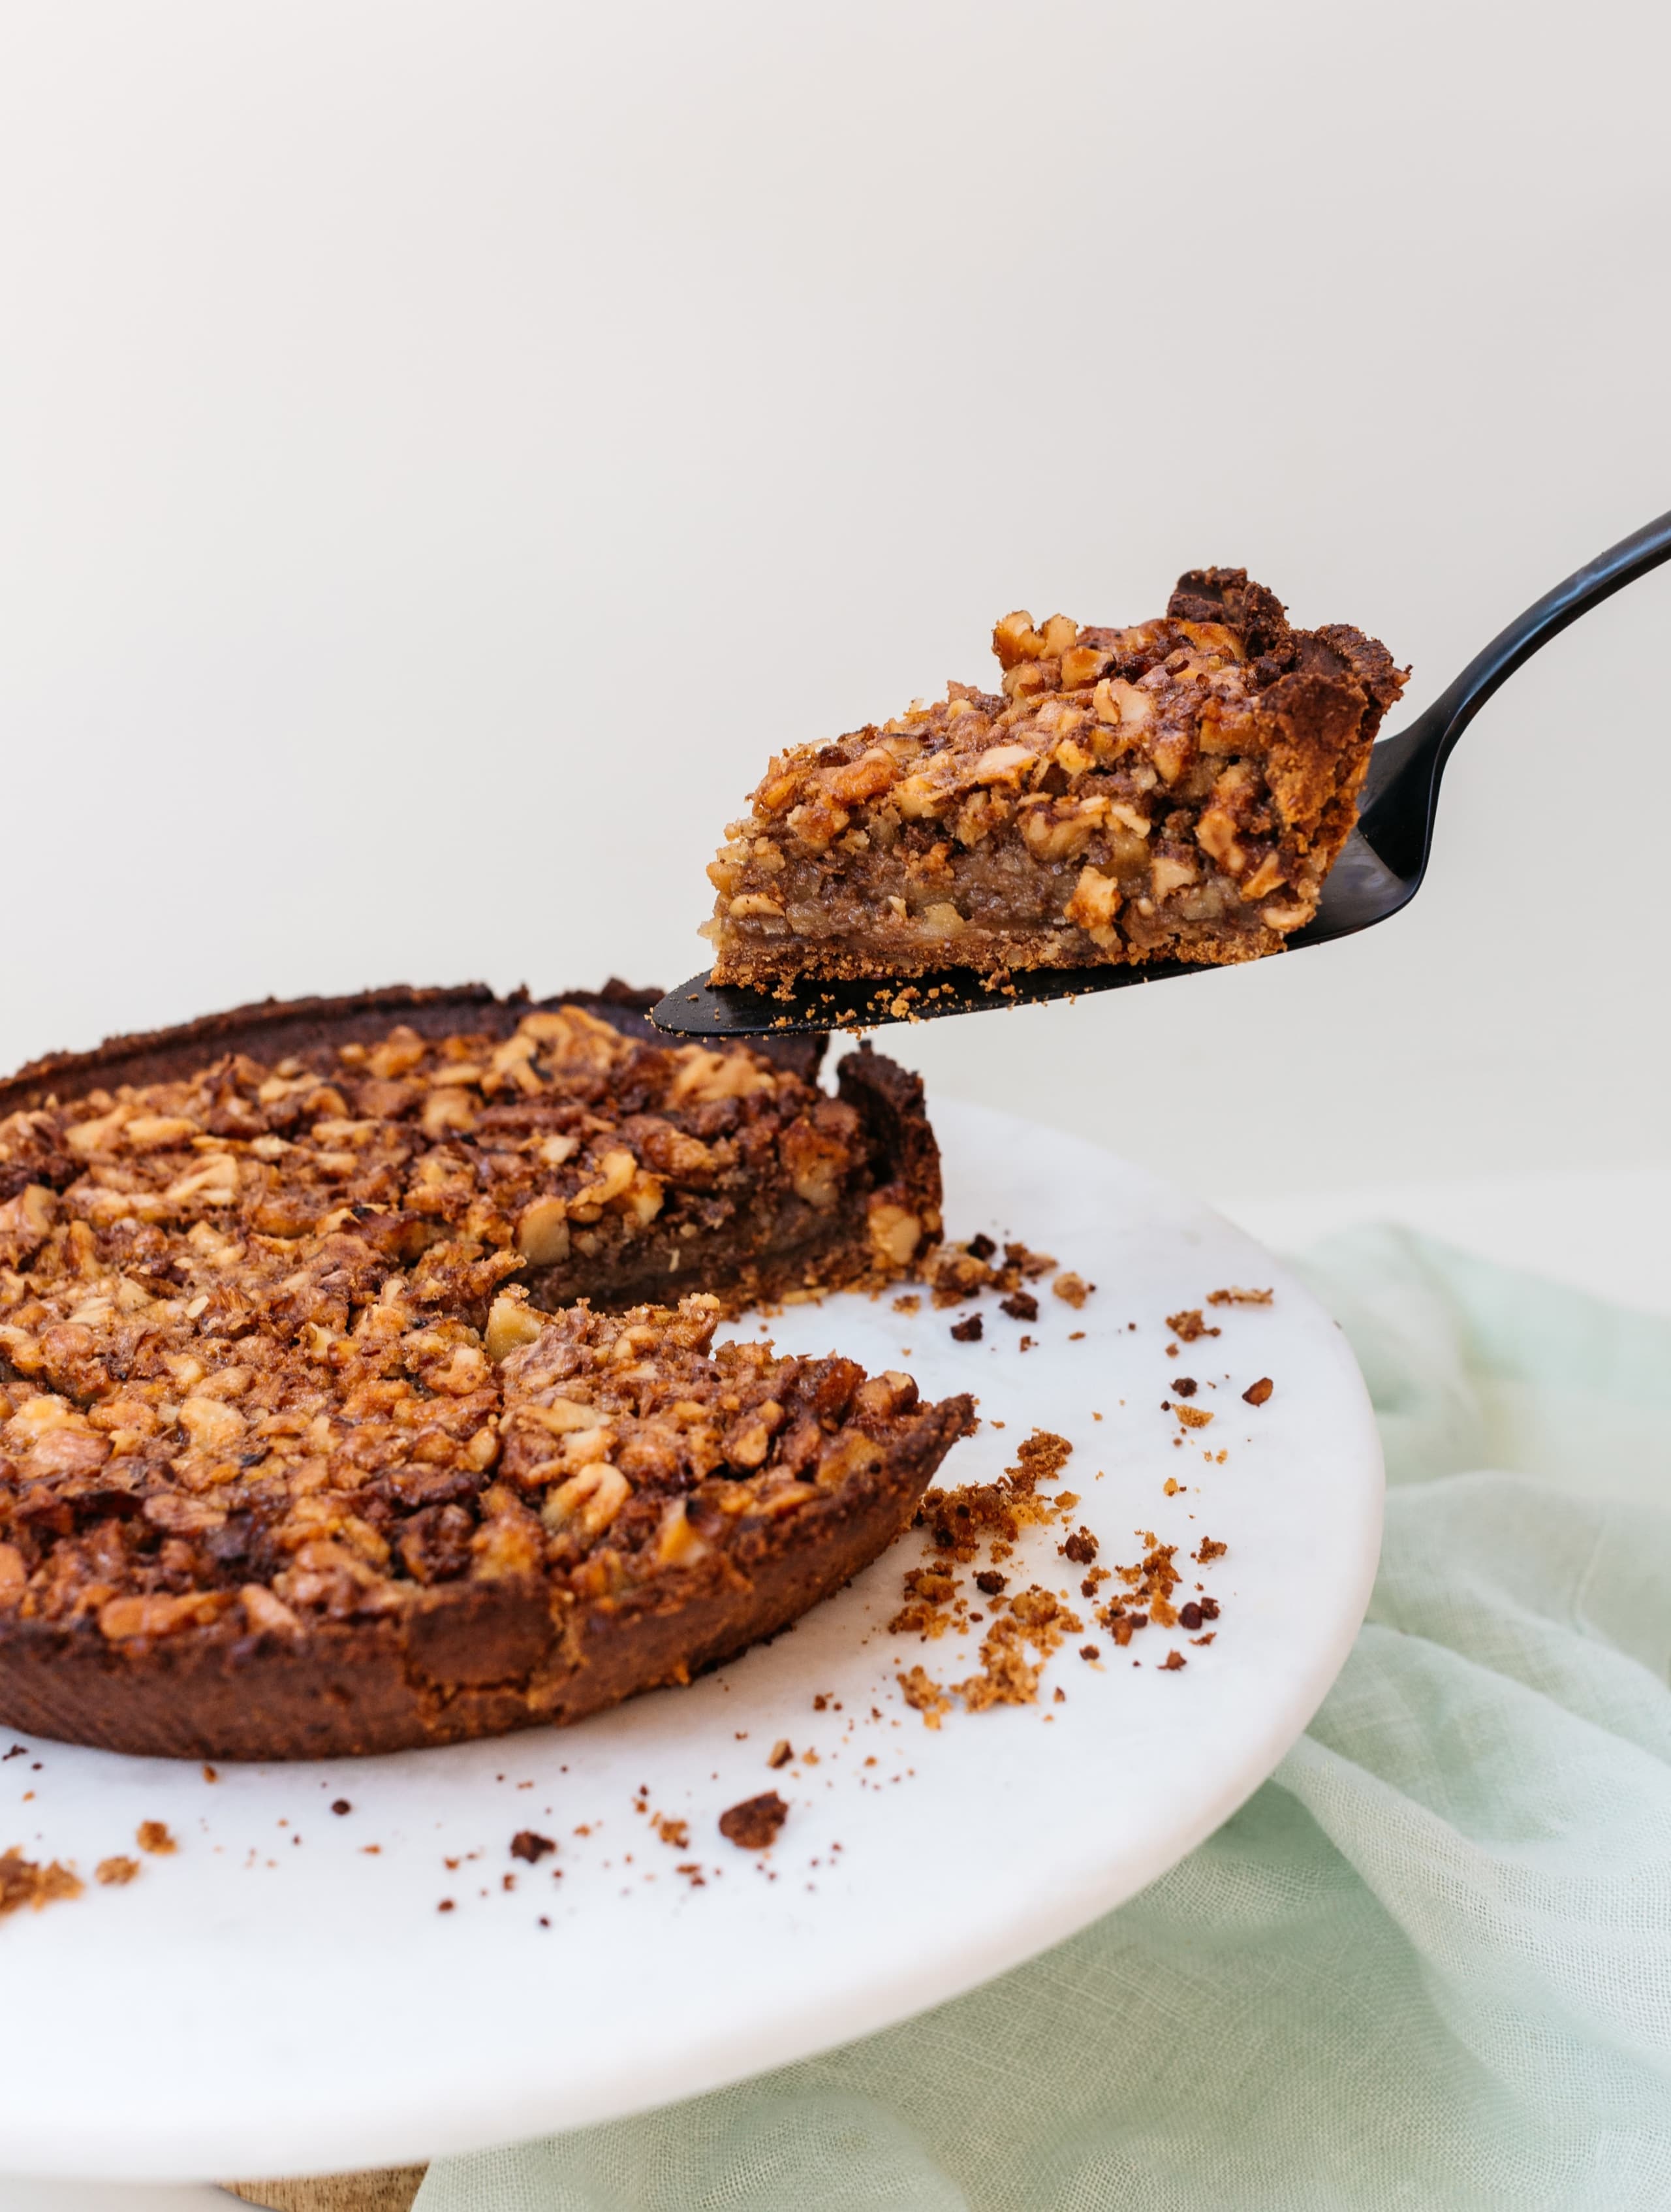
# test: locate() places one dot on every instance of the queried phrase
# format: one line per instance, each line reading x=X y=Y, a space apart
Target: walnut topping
x=270 y=1356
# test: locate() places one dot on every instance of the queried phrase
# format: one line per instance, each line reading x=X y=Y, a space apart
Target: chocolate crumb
x=982 y=1248
x=1209 y=1608
x=753 y=1825
x=1020 y=1305
x=1080 y=1547
x=989 y=1581
x=340 y=1805
x=526 y=1844
x=1190 y=1616
x=1090 y=1651
x=780 y=1753
x=1172 y=1661
x=446 y=1906
x=114 y=1873
x=152 y=1836
x=970 y=1331
x=1185 y=1385
x=1257 y=1393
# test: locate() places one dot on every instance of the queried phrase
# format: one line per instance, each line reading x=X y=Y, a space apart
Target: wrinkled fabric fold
x=1427 y=1966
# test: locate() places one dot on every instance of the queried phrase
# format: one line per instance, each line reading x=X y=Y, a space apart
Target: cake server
x=1379 y=869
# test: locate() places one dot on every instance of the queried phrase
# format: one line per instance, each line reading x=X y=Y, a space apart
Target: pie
x=1178 y=790
x=318 y=1437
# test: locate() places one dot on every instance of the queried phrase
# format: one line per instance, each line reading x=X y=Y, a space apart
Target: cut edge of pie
x=1175 y=790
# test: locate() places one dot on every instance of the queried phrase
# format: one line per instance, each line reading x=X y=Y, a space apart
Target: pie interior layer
x=1179 y=789
x=291 y=1461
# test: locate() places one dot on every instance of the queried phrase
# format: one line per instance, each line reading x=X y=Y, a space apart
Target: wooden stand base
x=390 y=2191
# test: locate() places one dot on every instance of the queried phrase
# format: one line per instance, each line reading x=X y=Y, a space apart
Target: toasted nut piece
x=1267 y=878
x=542 y=1232
x=1058 y=634
x=400 y=1052
x=704 y=1076
x=562 y=1416
x=448 y=1108
x=265 y=1611
x=212 y=1425
x=920 y=796
x=1003 y=763
x=14 y=1575
x=87 y=1138
x=511 y=1323
x=747 y=1444
x=1014 y=640
x=868 y=777
x=1278 y=915
x=1082 y=664
x=757 y=902
x=881 y=1396
x=942 y=918
x=214 y=1184
x=149 y=1133
x=590 y=1499
x=1096 y=900
x=894 y=1232
x=26 y=1221
x=678 y=1544
x=1116 y=701
x=1167 y=875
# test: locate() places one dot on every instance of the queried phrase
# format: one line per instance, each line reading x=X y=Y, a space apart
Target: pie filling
x=1178 y=789
x=268 y=1355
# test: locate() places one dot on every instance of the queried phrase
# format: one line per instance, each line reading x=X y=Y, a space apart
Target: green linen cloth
x=1427 y=1966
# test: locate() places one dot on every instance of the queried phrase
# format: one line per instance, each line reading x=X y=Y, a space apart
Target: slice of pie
x=292 y=1463
x=1178 y=790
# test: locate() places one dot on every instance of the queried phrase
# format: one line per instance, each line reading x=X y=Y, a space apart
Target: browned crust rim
x=469 y=1659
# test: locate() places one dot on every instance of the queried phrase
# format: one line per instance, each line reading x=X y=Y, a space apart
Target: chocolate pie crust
x=164 y=1591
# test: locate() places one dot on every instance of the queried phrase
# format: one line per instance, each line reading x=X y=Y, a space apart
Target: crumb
x=1256 y=1393
x=1171 y=1487
x=1188 y=1325
x=1072 y=1289
x=780 y=1754
x=209 y=1775
x=340 y=1805
x=114 y=1873
x=1208 y=1638
x=1172 y=1661
x=447 y=1905
x=1185 y=1385
x=1021 y=1305
x=924 y=1695
x=1031 y=1264
x=970 y=1331
x=1209 y=1550
x=754 y=1824
x=910 y=1304
x=677 y=1833
x=23 y=1882
x=980 y=1248
x=527 y=1845
x=989 y=1581
x=1190 y=1616
x=1236 y=1297
x=152 y=1836
x=1192 y=1417
x=821 y=1701
x=1090 y=1651
x=1025 y=1345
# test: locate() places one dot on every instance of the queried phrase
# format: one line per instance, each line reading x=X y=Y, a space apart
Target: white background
x=445 y=448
